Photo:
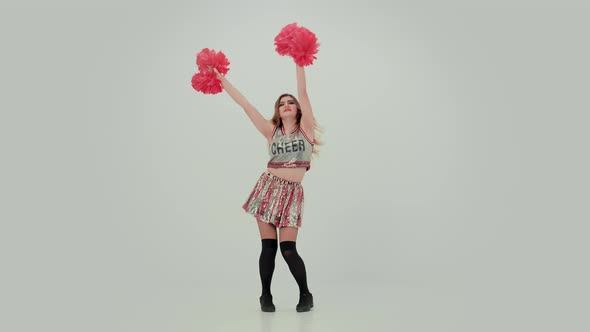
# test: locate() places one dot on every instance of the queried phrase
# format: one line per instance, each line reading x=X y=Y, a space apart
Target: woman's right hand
x=216 y=72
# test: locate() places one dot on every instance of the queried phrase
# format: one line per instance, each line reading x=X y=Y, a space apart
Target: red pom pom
x=297 y=42
x=304 y=47
x=207 y=82
x=283 y=39
x=217 y=60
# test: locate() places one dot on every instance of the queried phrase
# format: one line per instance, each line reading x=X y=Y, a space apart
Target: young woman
x=276 y=201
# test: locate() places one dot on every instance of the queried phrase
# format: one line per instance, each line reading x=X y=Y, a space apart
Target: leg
x=267 y=231
x=288 y=233
x=266 y=263
x=288 y=237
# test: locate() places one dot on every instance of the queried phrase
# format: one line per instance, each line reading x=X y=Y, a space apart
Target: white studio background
x=452 y=185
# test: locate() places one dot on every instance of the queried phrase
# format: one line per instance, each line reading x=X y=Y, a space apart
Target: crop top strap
x=275 y=130
x=306 y=137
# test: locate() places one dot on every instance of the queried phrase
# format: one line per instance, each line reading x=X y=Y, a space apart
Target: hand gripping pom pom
x=304 y=47
x=283 y=39
x=207 y=82
x=217 y=60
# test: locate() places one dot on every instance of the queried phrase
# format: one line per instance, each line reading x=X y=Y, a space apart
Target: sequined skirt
x=276 y=201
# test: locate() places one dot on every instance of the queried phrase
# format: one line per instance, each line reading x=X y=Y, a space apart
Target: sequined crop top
x=290 y=150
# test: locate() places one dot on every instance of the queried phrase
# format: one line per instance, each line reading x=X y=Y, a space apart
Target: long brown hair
x=277 y=121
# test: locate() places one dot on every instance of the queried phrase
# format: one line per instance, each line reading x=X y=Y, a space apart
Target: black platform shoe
x=305 y=302
x=266 y=304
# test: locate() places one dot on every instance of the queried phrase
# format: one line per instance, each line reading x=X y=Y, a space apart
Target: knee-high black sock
x=266 y=263
x=296 y=265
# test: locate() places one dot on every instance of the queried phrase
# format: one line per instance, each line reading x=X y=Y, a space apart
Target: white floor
x=131 y=297
x=356 y=307
x=344 y=307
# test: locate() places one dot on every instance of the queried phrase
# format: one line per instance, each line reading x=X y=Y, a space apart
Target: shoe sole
x=304 y=309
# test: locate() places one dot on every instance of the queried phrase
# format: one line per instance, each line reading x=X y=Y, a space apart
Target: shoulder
x=307 y=126
x=272 y=130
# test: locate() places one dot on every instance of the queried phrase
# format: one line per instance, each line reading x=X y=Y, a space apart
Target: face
x=287 y=107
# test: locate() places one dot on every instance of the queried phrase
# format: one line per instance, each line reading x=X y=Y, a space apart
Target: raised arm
x=264 y=126
x=307 y=117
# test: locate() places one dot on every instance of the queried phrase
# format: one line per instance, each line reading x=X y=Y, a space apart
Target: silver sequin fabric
x=276 y=201
x=290 y=150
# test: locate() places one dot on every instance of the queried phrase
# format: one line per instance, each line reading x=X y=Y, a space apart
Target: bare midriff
x=295 y=174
